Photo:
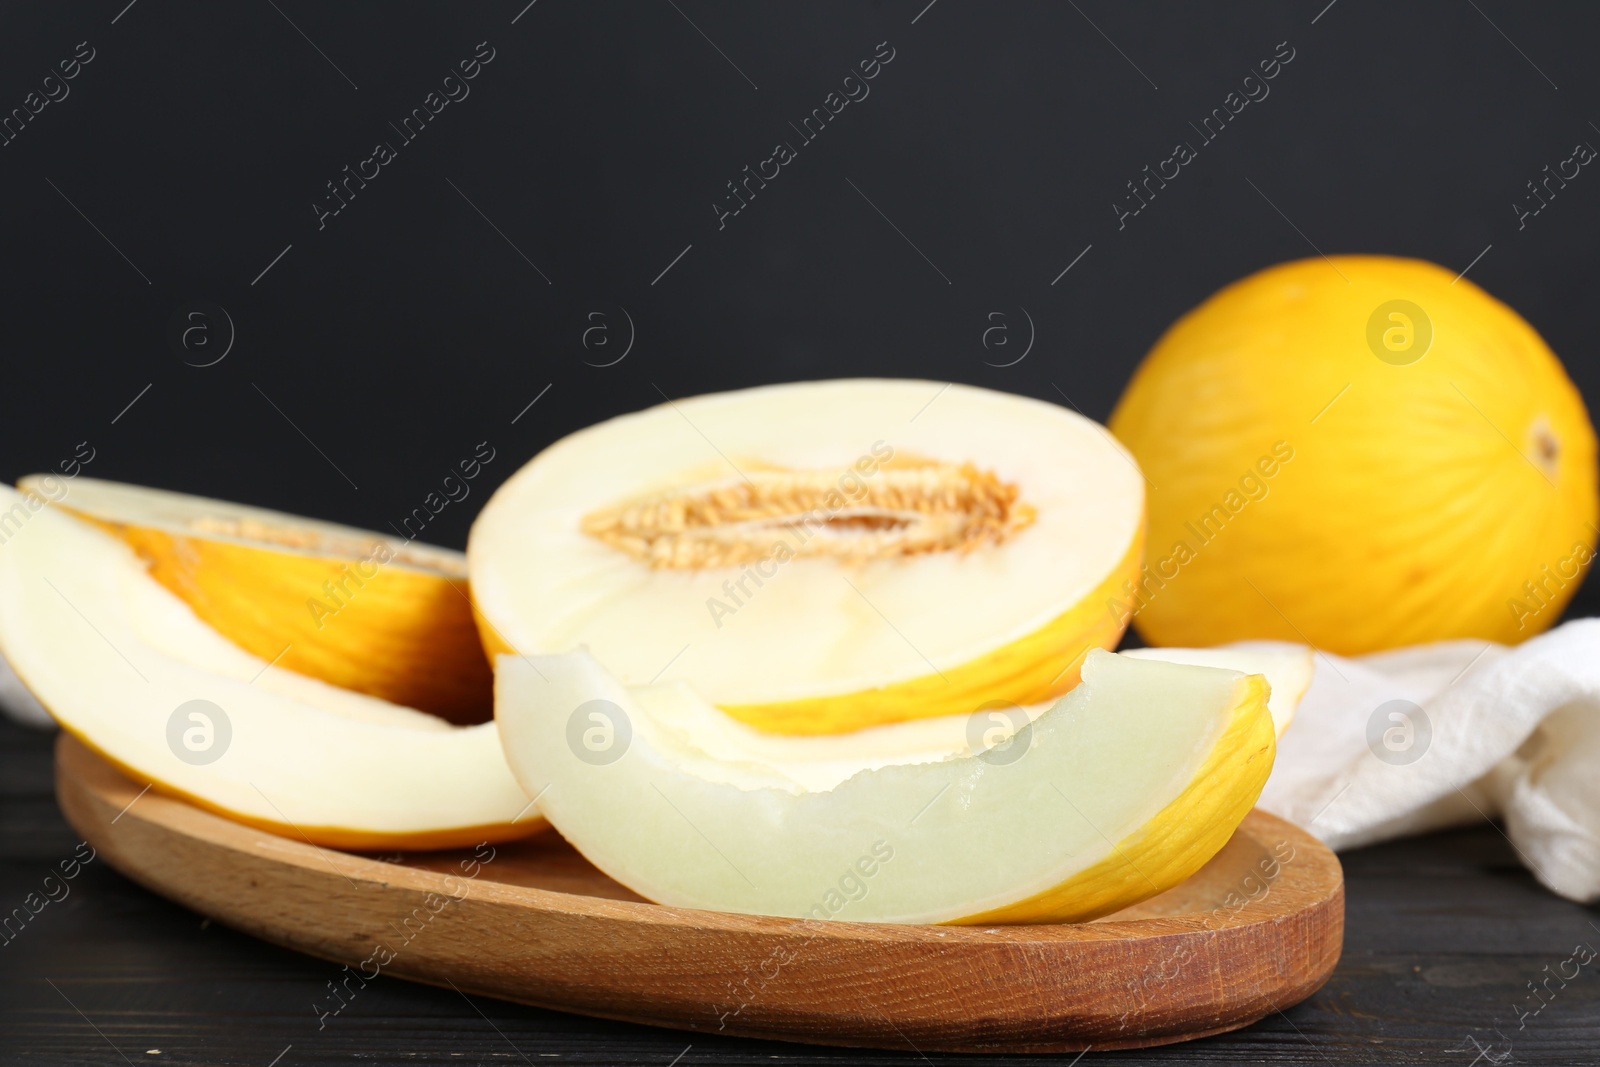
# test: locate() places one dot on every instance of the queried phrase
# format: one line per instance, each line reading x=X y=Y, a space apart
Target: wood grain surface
x=1442 y=935
x=1257 y=930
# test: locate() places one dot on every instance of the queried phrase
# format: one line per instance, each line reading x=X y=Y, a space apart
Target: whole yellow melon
x=1361 y=453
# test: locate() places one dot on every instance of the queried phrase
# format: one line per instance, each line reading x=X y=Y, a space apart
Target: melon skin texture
x=1126 y=787
x=353 y=608
x=113 y=655
x=821 y=628
x=1310 y=491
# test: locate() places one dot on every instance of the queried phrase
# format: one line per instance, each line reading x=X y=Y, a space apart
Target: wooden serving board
x=1259 y=928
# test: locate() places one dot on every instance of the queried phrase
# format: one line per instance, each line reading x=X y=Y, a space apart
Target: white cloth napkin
x=1398 y=743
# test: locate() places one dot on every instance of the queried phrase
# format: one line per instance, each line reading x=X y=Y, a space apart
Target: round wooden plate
x=1257 y=929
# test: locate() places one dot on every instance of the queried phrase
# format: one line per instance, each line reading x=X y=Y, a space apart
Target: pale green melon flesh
x=941 y=840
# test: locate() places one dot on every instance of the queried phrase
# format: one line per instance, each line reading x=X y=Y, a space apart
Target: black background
x=378 y=351
x=597 y=140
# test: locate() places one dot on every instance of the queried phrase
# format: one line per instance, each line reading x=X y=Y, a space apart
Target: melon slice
x=821 y=762
x=1126 y=787
x=119 y=661
x=821 y=557
x=1288 y=667
x=358 y=609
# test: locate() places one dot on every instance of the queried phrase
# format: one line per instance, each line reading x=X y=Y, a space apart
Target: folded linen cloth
x=1398 y=743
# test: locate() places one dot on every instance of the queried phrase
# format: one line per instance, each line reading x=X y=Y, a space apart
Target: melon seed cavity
x=910 y=509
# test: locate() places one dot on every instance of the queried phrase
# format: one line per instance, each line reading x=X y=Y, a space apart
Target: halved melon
x=121 y=663
x=360 y=610
x=824 y=556
x=1126 y=787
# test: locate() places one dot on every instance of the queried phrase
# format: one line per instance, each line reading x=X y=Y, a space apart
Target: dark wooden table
x=1445 y=938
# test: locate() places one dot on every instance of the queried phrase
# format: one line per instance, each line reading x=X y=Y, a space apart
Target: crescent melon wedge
x=355 y=608
x=127 y=667
x=1124 y=787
